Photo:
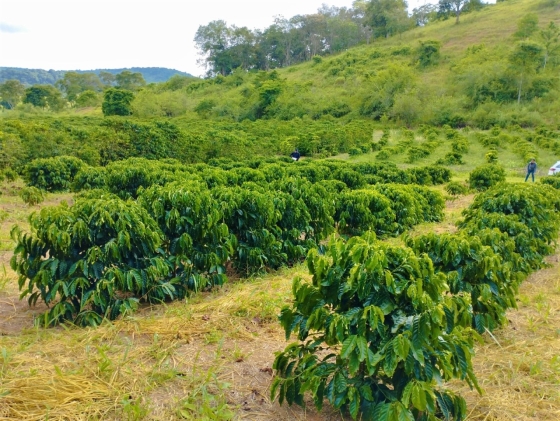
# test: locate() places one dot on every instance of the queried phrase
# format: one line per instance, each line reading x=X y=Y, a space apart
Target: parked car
x=555 y=169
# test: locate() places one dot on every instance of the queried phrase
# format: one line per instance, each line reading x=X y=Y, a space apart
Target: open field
x=210 y=357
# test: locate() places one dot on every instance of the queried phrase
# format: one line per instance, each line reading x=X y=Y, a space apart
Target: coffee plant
x=553 y=181
x=361 y=210
x=477 y=269
x=527 y=244
x=486 y=176
x=252 y=217
x=376 y=334
x=456 y=188
x=535 y=205
x=31 y=195
x=95 y=259
x=52 y=174
x=196 y=241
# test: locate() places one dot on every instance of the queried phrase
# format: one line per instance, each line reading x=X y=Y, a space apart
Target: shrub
x=486 y=176
x=52 y=174
x=196 y=241
x=474 y=268
x=10 y=174
x=31 y=195
x=375 y=331
x=95 y=259
x=456 y=188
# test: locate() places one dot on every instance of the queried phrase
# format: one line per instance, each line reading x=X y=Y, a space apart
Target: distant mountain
x=49 y=77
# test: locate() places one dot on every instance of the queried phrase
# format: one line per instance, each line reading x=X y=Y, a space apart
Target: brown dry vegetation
x=210 y=357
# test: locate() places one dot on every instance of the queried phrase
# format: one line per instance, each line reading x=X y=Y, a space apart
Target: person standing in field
x=531 y=168
x=295 y=155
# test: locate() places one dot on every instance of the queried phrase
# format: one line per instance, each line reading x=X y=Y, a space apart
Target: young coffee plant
x=486 y=176
x=455 y=188
x=477 y=269
x=377 y=335
x=196 y=241
x=31 y=195
x=95 y=259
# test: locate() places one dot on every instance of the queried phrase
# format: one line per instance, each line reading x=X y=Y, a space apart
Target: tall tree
x=131 y=81
x=551 y=41
x=107 y=78
x=74 y=83
x=11 y=92
x=525 y=59
x=455 y=6
x=212 y=40
x=387 y=17
x=527 y=26
x=44 y=96
x=424 y=14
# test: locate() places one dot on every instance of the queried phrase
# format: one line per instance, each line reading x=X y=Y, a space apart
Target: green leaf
x=354 y=405
x=362 y=347
x=382 y=412
x=348 y=346
x=353 y=364
x=418 y=397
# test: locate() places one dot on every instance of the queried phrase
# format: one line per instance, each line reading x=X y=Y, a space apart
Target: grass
x=210 y=357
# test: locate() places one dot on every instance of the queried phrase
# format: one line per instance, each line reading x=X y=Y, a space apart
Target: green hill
x=49 y=77
x=472 y=78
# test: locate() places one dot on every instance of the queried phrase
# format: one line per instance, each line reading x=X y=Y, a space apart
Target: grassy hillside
x=387 y=71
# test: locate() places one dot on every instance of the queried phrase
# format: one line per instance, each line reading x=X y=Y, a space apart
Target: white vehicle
x=555 y=169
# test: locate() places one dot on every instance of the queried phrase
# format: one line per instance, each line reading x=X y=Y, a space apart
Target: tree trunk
x=519 y=91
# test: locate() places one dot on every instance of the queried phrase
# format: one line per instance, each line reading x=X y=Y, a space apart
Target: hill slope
x=471 y=77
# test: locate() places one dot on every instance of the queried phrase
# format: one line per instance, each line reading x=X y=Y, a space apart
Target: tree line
x=80 y=89
x=224 y=48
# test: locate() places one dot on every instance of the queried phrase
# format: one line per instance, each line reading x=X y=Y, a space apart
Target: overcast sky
x=88 y=34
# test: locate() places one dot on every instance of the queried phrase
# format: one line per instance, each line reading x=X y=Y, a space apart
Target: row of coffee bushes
x=504 y=236
x=99 y=141
x=381 y=328
x=125 y=177
x=177 y=233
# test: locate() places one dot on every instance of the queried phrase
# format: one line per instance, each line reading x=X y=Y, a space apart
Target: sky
x=88 y=34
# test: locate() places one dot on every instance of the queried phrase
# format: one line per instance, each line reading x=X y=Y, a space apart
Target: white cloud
x=10 y=29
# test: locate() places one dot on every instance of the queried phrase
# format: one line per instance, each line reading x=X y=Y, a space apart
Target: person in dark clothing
x=295 y=155
x=531 y=168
